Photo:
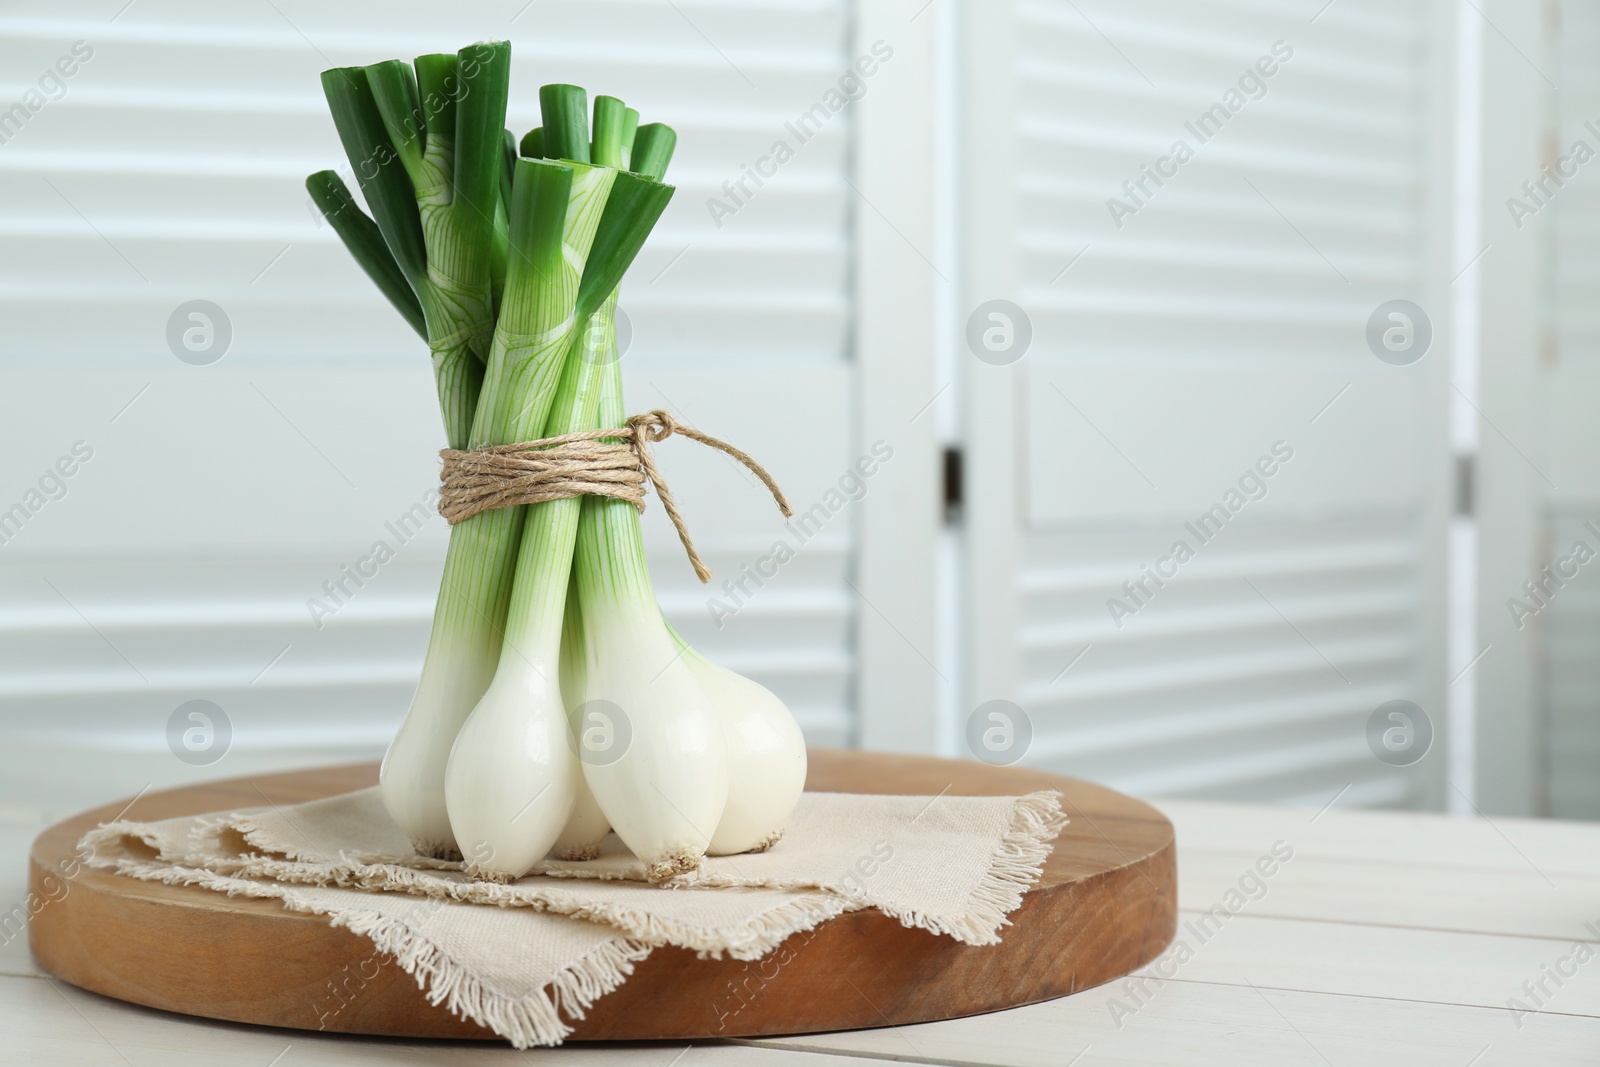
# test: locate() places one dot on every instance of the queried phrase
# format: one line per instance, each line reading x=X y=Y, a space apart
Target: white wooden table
x=1384 y=939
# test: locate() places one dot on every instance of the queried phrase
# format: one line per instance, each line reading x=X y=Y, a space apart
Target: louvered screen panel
x=1570 y=212
x=1178 y=339
x=1208 y=692
x=220 y=498
x=1568 y=630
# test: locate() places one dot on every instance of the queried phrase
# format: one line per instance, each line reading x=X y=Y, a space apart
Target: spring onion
x=511 y=783
x=555 y=224
x=665 y=794
x=506 y=256
x=511 y=779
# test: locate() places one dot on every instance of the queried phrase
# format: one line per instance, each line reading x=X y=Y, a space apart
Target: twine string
x=615 y=463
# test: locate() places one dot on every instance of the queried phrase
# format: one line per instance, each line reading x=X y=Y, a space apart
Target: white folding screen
x=786 y=303
x=178 y=561
x=1560 y=612
x=1197 y=206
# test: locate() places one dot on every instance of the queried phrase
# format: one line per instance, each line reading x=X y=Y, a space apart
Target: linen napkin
x=554 y=941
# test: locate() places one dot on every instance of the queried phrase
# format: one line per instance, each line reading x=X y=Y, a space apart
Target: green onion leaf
x=652 y=149
x=631 y=212
x=630 y=126
x=394 y=89
x=564 y=110
x=610 y=123
x=438 y=88
x=502 y=223
x=377 y=167
x=538 y=211
x=485 y=73
x=361 y=236
x=508 y=164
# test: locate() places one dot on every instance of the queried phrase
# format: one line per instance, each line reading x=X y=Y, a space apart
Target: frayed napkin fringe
x=750 y=942
x=1014 y=868
x=525 y=1021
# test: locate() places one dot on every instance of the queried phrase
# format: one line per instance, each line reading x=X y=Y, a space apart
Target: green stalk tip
x=610 y=122
x=508 y=163
x=361 y=236
x=652 y=149
x=394 y=90
x=501 y=245
x=630 y=126
x=438 y=88
x=630 y=214
x=538 y=217
x=564 y=110
x=533 y=143
x=377 y=166
x=484 y=70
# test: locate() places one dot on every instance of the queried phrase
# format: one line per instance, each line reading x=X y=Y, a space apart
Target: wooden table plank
x=47 y=1022
x=1483 y=970
x=1387 y=893
x=1363 y=993
x=16 y=834
x=1551 y=846
x=1190 y=1023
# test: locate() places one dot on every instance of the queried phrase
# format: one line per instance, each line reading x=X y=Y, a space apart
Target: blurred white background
x=1164 y=336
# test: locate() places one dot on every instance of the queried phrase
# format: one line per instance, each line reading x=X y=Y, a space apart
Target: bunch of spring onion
x=555 y=704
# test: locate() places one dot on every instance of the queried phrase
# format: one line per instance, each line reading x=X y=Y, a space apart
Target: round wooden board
x=1107 y=904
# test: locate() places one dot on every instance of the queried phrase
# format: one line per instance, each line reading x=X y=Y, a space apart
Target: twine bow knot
x=615 y=463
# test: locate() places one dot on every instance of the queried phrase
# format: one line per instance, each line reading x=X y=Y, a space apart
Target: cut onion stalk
x=551 y=240
x=664 y=792
x=652 y=749
x=512 y=779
